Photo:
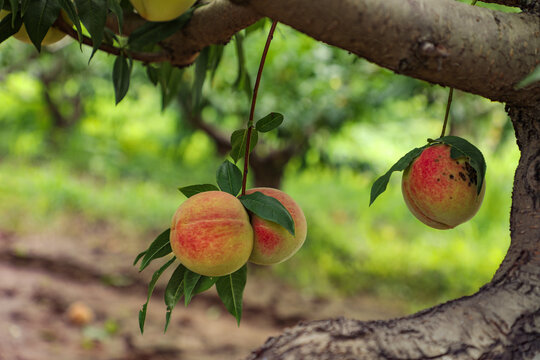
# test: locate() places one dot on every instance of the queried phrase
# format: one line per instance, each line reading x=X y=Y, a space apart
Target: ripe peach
x=161 y=10
x=52 y=36
x=211 y=234
x=273 y=243
x=441 y=191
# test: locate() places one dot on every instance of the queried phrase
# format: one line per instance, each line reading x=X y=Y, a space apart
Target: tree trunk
x=501 y=321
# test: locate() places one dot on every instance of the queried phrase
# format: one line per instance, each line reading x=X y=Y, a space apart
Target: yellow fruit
x=211 y=234
x=441 y=191
x=161 y=10
x=273 y=243
x=52 y=36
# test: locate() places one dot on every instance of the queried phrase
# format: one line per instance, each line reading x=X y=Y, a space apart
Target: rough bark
x=501 y=321
x=446 y=42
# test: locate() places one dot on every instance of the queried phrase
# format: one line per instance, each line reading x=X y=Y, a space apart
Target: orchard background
x=86 y=184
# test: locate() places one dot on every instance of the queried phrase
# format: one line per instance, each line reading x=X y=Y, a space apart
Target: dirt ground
x=42 y=275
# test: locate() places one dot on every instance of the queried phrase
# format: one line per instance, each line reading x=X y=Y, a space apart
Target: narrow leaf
x=6 y=29
x=269 y=122
x=379 y=186
x=189 y=191
x=190 y=282
x=230 y=289
x=116 y=9
x=463 y=148
x=139 y=257
x=70 y=10
x=151 y=33
x=205 y=283
x=93 y=14
x=121 y=77
x=201 y=66
x=38 y=19
x=160 y=247
x=268 y=208
x=14 y=5
x=229 y=178
x=531 y=78
x=174 y=291
x=151 y=286
x=239 y=141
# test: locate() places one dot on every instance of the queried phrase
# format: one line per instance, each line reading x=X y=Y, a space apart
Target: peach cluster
x=212 y=235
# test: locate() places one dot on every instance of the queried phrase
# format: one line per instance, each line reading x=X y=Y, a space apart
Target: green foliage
x=230 y=289
x=159 y=248
x=239 y=143
x=268 y=208
x=121 y=77
x=191 y=190
x=269 y=122
x=229 y=178
x=530 y=79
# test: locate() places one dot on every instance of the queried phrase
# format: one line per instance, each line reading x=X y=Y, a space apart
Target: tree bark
x=501 y=321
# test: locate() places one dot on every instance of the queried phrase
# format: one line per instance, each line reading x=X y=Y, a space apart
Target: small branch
x=448 y=104
x=253 y=102
x=141 y=56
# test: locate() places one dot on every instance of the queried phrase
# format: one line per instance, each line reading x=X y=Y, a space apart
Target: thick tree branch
x=446 y=42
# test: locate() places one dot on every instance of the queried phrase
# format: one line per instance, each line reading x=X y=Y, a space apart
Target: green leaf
x=463 y=148
x=6 y=29
x=1 y=4
x=229 y=178
x=152 y=73
x=138 y=257
x=151 y=33
x=242 y=81
x=170 y=79
x=121 y=77
x=174 y=291
x=268 y=208
x=38 y=19
x=530 y=79
x=14 y=5
x=269 y=122
x=230 y=289
x=189 y=191
x=205 y=283
x=216 y=53
x=151 y=286
x=379 y=186
x=116 y=9
x=93 y=14
x=201 y=66
x=190 y=282
x=70 y=10
x=159 y=248
x=239 y=141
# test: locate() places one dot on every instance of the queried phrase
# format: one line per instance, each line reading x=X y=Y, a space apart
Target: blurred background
x=85 y=185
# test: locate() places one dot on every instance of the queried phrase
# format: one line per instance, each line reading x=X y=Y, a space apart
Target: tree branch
x=446 y=42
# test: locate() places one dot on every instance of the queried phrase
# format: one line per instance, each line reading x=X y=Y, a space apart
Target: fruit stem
x=448 y=103
x=253 y=102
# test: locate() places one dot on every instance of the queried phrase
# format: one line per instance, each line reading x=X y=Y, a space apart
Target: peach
x=53 y=35
x=211 y=234
x=273 y=243
x=441 y=191
x=161 y=10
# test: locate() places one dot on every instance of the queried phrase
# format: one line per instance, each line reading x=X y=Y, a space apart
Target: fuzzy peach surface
x=441 y=191
x=273 y=243
x=211 y=234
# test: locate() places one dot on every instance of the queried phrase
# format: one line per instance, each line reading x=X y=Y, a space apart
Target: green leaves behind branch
x=151 y=286
x=169 y=79
x=201 y=67
x=191 y=190
x=379 y=186
x=93 y=14
x=230 y=289
x=463 y=148
x=243 y=81
x=229 y=178
x=116 y=9
x=531 y=78
x=269 y=122
x=69 y=8
x=150 y=33
x=7 y=28
x=38 y=19
x=239 y=142
x=160 y=247
x=121 y=77
x=174 y=292
x=268 y=208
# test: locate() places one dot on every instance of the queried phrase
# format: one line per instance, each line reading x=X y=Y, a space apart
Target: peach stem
x=253 y=101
